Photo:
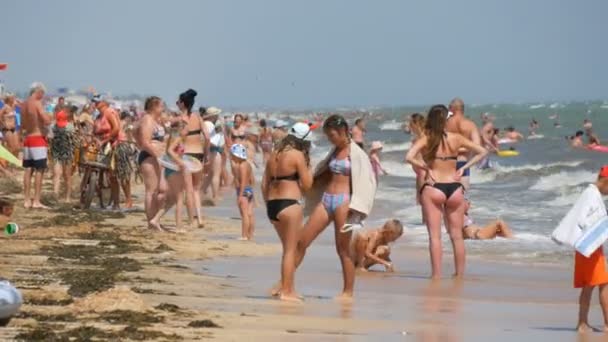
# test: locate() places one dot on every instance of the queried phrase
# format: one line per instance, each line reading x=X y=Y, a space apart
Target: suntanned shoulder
x=469 y=129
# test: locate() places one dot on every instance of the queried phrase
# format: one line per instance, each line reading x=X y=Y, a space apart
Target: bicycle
x=94 y=166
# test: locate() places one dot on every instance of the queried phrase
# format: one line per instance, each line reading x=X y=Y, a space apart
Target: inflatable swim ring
x=506 y=141
x=192 y=164
x=507 y=153
x=598 y=148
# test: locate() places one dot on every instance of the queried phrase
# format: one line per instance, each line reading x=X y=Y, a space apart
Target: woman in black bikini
x=197 y=146
x=8 y=125
x=286 y=177
x=150 y=138
x=442 y=193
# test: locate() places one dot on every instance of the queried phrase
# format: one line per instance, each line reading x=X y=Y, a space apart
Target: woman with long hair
x=442 y=194
x=196 y=145
x=344 y=187
x=150 y=138
x=175 y=179
x=286 y=177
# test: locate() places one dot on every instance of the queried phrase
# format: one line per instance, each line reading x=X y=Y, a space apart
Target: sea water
x=531 y=192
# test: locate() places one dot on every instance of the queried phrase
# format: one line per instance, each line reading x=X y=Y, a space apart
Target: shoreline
x=182 y=286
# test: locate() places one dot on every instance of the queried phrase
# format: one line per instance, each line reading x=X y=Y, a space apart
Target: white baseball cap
x=300 y=130
x=239 y=151
x=280 y=124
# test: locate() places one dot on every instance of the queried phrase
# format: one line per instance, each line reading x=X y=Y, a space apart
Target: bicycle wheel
x=103 y=190
x=91 y=185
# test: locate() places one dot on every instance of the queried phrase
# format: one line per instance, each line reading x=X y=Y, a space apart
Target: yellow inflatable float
x=507 y=153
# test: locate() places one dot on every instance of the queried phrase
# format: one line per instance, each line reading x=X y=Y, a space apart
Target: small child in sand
x=6 y=211
x=243 y=182
x=370 y=247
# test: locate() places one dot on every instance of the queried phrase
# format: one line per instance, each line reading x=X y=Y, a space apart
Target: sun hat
x=211 y=111
x=239 y=151
x=300 y=130
x=280 y=124
x=377 y=145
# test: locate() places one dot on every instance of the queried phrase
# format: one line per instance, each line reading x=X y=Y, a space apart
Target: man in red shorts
x=34 y=122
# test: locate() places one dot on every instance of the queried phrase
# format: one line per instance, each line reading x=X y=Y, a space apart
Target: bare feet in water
x=276 y=290
x=27 y=204
x=39 y=206
x=344 y=297
x=290 y=298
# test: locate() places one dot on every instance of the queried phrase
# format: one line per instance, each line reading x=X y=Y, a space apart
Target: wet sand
x=61 y=257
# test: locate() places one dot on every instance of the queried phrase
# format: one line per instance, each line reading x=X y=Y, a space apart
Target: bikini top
x=159 y=133
x=340 y=166
x=293 y=177
x=444 y=158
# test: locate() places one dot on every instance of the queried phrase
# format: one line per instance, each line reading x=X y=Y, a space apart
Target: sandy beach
x=101 y=275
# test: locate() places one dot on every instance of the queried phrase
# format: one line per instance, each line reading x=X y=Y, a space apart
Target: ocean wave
x=397 y=147
x=392 y=125
x=562 y=180
x=398 y=169
x=490 y=175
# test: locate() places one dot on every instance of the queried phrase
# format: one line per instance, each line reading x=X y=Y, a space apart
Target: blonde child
x=243 y=182
x=371 y=247
x=591 y=272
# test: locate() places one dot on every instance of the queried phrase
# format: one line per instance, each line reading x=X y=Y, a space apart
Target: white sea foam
x=563 y=179
x=392 y=125
x=485 y=176
x=399 y=169
x=397 y=147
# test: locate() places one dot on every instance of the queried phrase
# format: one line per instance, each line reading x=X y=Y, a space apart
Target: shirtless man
x=34 y=122
x=358 y=133
x=458 y=123
x=514 y=135
x=577 y=140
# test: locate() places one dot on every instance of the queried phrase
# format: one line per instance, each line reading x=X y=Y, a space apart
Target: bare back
x=458 y=124
x=443 y=167
x=281 y=164
x=33 y=118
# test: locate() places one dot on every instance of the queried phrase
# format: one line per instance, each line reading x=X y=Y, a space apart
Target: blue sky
x=314 y=52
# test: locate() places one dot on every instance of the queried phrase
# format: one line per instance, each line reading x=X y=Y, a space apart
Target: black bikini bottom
x=275 y=206
x=448 y=189
x=199 y=156
x=143 y=155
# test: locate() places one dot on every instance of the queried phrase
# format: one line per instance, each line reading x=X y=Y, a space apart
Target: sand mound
x=116 y=298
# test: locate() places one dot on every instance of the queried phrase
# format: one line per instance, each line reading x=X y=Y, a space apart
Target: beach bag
x=593 y=237
x=588 y=210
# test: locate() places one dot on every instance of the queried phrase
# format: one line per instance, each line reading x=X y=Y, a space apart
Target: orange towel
x=590 y=271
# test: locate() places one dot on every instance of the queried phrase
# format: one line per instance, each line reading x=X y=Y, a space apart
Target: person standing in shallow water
x=344 y=188
x=286 y=177
x=442 y=193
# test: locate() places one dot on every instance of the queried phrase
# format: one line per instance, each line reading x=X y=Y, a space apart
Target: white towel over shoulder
x=588 y=210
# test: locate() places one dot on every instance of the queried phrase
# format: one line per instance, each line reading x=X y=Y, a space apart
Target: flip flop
x=348 y=227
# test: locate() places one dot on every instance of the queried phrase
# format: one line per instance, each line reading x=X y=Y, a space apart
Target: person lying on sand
x=488 y=232
x=370 y=247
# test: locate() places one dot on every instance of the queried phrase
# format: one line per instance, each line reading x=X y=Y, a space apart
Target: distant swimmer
x=459 y=124
x=592 y=139
x=534 y=126
x=577 y=140
x=587 y=124
x=490 y=231
x=513 y=135
x=371 y=247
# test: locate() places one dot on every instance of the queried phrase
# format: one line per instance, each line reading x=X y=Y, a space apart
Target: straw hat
x=211 y=112
x=376 y=145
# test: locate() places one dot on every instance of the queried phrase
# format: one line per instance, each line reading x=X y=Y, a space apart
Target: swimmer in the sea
x=577 y=140
x=371 y=247
x=514 y=135
x=490 y=231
